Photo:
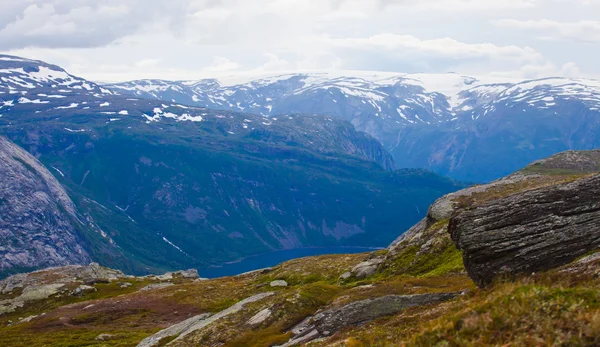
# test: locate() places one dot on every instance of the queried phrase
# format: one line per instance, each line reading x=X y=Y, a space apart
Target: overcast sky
x=114 y=40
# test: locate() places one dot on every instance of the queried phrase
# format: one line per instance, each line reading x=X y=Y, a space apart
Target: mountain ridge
x=447 y=123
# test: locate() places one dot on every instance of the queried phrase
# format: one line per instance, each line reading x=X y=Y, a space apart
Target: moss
x=520 y=314
x=261 y=338
x=23 y=336
x=442 y=259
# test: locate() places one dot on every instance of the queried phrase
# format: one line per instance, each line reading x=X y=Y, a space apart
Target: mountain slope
x=444 y=122
x=176 y=186
x=415 y=293
x=39 y=222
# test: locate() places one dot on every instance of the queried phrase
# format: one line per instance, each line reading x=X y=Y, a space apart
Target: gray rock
x=39 y=222
x=83 y=289
x=367 y=268
x=279 y=283
x=156 y=286
x=183 y=329
x=531 y=231
x=106 y=337
x=32 y=293
x=328 y=322
x=260 y=317
x=190 y=274
x=124 y=284
x=345 y=276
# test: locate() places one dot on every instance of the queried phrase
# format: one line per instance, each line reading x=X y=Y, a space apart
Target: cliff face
x=532 y=231
x=38 y=222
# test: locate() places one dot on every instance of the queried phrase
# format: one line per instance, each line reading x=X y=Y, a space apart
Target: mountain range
x=469 y=128
x=150 y=185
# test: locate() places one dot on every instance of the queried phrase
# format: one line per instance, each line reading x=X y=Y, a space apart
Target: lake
x=275 y=258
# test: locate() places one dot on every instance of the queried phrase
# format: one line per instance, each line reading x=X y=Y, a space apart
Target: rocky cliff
x=38 y=220
x=531 y=231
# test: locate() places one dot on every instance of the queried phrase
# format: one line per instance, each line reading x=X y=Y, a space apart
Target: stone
x=367 y=268
x=189 y=274
x=260 y=317
x=190 y=325
x=328 y=322
x=531 y=231
x=345 y=276
x=31 y=293
x=82 y=290
x=156 y=286
x=106 y=337
x=124 y=284
x=279 y=283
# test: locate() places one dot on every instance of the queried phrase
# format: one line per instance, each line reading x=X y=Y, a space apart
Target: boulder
x=367 y=268
x=124 y=284
x=190 y=274
x=279 y=283
x=82 y=290
x=531 y=231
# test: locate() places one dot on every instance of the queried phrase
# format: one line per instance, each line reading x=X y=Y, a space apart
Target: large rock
x=328 y=322
x=531 y=231
x=367 y=268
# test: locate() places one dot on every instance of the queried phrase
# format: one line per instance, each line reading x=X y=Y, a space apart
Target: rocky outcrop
x=530 y=231
x=328 y=322
x=569 y=161
x=187 y=327
x=38 y=222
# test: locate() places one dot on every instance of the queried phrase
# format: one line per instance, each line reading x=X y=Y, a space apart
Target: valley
x=160 y=186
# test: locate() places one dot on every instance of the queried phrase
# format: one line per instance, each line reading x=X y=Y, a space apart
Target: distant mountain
x=476 y=129
x=170 y=186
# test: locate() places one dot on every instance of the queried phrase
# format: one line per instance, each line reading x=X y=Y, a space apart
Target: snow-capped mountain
x=425 y=120
x=18 y=76
x=403 y=98
x=453 y=124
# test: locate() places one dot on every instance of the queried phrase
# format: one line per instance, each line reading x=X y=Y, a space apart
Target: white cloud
x=408 y=45
x=584 y=30
x=181 y=39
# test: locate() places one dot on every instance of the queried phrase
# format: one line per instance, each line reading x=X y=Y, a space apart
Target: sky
x=118 y=40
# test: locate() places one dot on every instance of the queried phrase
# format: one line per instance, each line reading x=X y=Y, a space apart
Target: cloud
x=439 y=53
x=181 y=39
x=461 y=5
x=581 y=31
x=79 y=23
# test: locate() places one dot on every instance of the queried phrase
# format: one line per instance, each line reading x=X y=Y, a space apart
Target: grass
x=520 y=314
x=260 y=338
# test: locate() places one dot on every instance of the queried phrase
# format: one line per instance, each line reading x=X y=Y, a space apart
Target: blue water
x=275 y=258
